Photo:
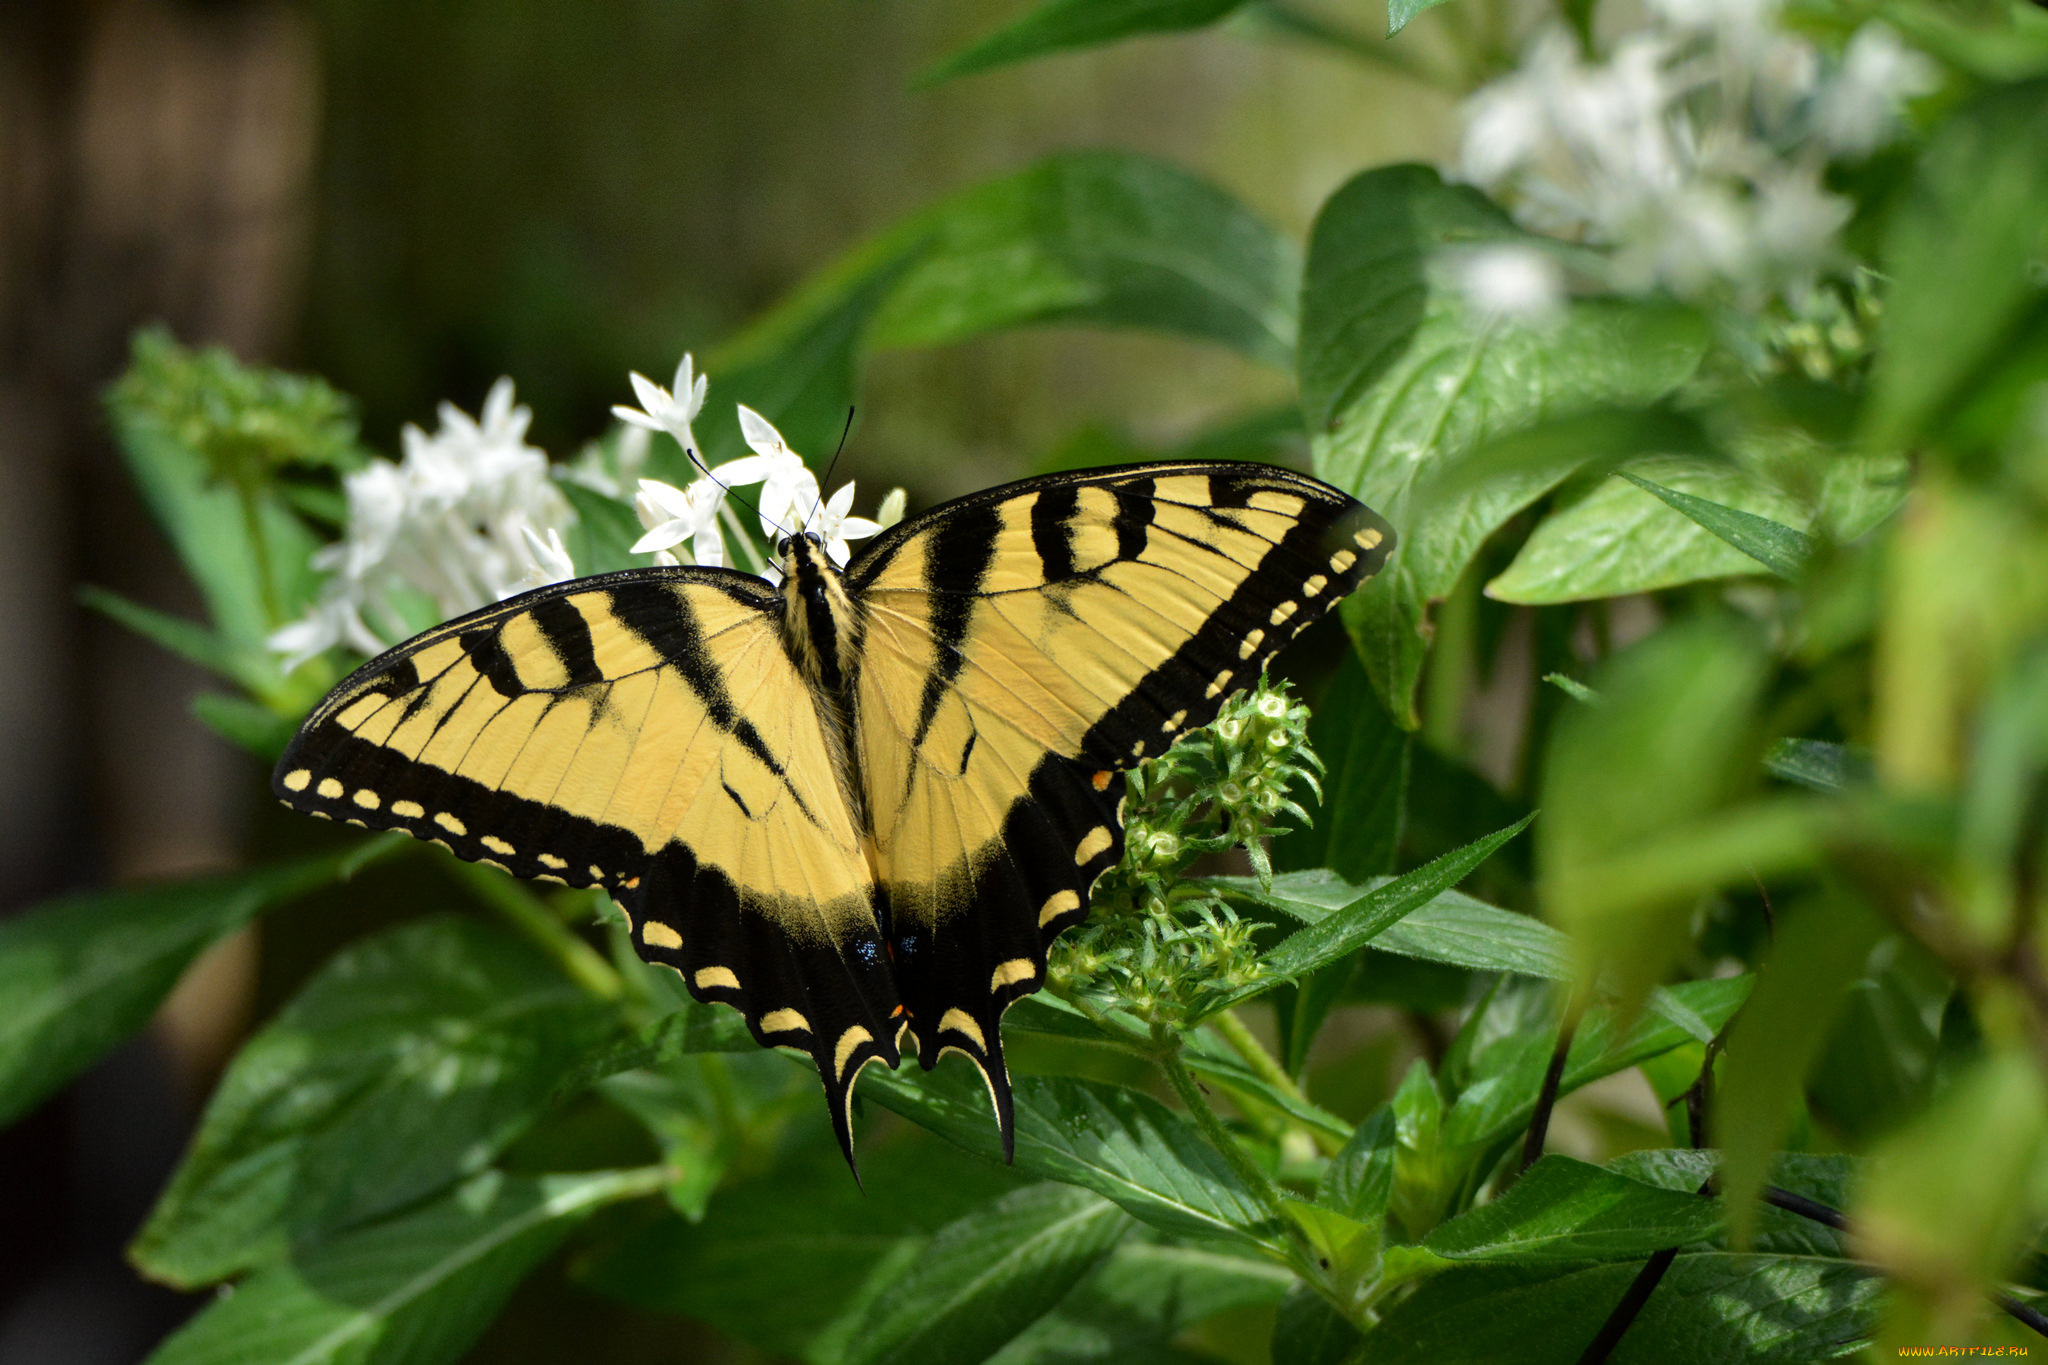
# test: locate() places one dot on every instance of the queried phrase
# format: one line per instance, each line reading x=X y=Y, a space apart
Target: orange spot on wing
x=1101 y=780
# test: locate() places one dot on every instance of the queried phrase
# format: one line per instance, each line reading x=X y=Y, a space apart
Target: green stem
x=1246 y=1044
x=530 y=915
x=1190 y=1092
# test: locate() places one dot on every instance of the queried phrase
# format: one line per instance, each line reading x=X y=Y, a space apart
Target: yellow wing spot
x=329 y=788
x=1100 y=781
x=351 y=820
x=497 y=845
x=1216 y=687
x=1057 y=904
x=962 y=1023
x=1282 y=612
x=367 y=799
x=784 y=1021
x=550 y=860
x=848 y=1041
x=408 y=810
x=1251 y=644
x=450 y=823
x=1009 y=973
x=1342 y=560
x=549 y=877
x=298 y=779
x=1092 y=843
x=493 y=862
x=1138 y=749
x=1368 y=538
x=319 y=815
x=655 y=934
x=1173 y=721
x=627 y=915
x=1313 y=585
x=716 y=978
x=596 y=873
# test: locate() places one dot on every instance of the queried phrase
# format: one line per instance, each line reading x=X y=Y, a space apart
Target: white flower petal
x=662 y=537
x=760 y=432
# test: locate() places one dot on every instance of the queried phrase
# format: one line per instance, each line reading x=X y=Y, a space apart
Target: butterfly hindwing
x=645 y=732
x=1022 y=648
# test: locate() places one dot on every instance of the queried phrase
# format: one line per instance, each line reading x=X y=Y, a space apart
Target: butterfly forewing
x=1022 y=648
x=645 y=732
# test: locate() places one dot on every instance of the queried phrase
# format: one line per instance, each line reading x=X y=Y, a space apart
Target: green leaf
x=1612 y=539
x=1357 y=832
x=1952 y=1197
x=1563 y=1210
x=1679 y=704
x=1821 y=947
x=791 y=1260
x=250 y=665
x=1401 y=13
x=248 y=725
x=81 y=974
x=1138 y=1300
x=1962 y=258
x=1500 y=1097
x=1816 y=764
x=799 y=365
x=1451 y=928
x=1399 y=381
x=1573 y=688
x=1111 y=239
x=1711 y=1308
x=605 y=529
x=1880 y=1061
x=693 y=1026
x=1824 y=1179
x=1308 y=1331
x=409 y=1061
x=1351 y=928
x=1124 y=1146
x=1777 y=547
x=1214 y=1061
x=416 y=1289
x=985 y=1278
x=1360 y=1178
x=1063 y=25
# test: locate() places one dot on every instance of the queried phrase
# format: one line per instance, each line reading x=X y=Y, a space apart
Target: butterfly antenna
x=705 y=469
x=826 y=482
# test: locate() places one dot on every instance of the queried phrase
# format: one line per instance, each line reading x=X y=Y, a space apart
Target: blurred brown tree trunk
x=155 y=164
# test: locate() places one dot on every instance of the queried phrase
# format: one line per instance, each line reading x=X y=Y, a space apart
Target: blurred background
x=412 y=200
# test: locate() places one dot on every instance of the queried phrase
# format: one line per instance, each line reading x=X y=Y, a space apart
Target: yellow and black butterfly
x=856 y=802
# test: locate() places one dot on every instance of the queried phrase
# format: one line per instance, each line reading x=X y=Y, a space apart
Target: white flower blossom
x=549 y=559
x=449 y=521
x=664 y=410
x=1696 y=150
x=1858 y=111
x=835 y=527
x=891 y=511
x=1510 y=281
x=673 y=515
x=612 y=469
x=789 y=491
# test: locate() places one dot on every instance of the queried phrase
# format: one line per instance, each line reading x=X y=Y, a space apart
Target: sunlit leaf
x=80 y=975
x=1127 y=1147
x=408 y=1062
x=1617 y=537
x=1821 y=948
x=986 y=1277
x=416 y=1289
x=1565 y=1211
x=1399 y=380
x=1063 y=25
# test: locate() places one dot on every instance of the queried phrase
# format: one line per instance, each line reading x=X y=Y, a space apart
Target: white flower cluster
x=1696 y=151
x=789 y=501
x=472 y=514
x=469 y=516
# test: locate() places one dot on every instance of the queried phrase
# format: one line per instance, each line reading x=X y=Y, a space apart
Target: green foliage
x=1783 y=559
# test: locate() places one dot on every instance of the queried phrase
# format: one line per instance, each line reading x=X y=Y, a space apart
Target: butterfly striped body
x=858 y=803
